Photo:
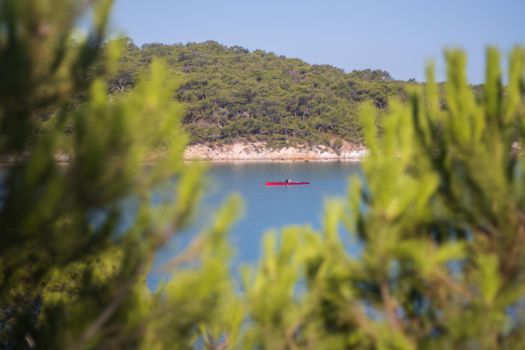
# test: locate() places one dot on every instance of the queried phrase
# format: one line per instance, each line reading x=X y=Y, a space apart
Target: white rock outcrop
x=258 y=151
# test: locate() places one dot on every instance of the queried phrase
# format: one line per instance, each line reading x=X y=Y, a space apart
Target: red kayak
x=282 y=183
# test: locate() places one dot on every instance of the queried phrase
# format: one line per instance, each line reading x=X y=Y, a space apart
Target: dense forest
x=232 y=93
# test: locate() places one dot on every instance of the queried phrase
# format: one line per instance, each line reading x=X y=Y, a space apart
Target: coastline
x=256 y=152
x=260 y=152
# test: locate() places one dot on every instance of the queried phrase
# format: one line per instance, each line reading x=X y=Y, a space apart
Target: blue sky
x=399 y=36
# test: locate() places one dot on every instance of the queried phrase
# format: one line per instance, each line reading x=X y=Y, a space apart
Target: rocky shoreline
x=259 y=151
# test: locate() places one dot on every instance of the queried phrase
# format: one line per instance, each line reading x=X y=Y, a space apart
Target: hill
x=233 y=94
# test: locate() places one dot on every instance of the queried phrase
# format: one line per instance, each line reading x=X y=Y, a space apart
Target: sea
x=265 y=208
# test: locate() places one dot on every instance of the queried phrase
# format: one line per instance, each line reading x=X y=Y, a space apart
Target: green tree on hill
x=225 y=88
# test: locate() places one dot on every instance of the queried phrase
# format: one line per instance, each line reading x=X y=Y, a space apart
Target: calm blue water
x=265 y=207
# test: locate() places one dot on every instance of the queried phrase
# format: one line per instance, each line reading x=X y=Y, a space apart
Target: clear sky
x=399 y=36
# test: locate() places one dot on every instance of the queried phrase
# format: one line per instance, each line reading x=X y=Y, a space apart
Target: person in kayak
x=288 y=180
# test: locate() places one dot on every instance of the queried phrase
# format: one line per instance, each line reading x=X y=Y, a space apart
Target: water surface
x=266 y=208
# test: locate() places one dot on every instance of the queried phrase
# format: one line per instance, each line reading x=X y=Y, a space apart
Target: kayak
x=282 y=183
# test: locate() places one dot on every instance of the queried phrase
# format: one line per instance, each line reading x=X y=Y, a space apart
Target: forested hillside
x=234 y=94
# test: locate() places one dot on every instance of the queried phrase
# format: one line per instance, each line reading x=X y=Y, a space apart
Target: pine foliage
x=72 y=264
x=438 y=214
